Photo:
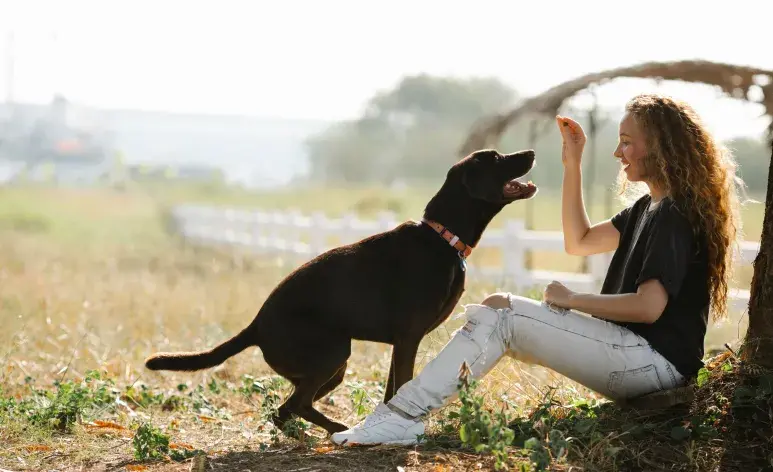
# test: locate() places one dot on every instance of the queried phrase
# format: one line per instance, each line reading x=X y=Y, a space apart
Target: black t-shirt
x=658 y=242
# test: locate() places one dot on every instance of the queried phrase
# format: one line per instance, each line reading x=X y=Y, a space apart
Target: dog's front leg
x=401 y=368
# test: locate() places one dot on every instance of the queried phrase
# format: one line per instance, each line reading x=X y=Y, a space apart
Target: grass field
x=90 y=284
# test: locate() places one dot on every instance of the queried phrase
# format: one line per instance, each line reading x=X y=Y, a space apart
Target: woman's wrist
x=573 y=166
x=573 y=299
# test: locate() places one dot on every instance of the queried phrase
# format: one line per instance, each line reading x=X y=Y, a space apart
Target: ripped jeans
x=600 y=355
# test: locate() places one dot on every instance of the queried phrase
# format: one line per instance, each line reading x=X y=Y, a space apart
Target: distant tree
x=350 y=151
x=435 y=100
x=411 y=131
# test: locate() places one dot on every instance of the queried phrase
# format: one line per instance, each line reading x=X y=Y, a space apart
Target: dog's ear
x=473 y=181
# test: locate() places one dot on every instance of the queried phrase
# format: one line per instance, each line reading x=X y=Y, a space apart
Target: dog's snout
x=528 y=154
x=521 y=160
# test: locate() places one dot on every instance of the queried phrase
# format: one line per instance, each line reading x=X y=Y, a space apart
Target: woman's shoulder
x=639 y=204
x=671 y=213
x=669 y=208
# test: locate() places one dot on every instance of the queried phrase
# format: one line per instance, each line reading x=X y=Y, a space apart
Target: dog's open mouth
x=516 y=190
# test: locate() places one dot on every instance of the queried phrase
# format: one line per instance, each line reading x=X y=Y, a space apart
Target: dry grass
x=89 y=280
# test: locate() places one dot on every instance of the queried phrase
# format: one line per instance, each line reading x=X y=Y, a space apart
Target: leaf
x=464 y=433
x=107 y=424
x=680 y=433
x=136 y=467
x=634 y=429
x=584 y=425
x=703 y=376
x=323 y=449
x=531 y=443
x=180 y=446
x=37 y=447
x=206 y=418
x=705 y=431
x=613 y=450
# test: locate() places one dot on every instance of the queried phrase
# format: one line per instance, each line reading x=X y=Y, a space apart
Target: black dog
x=393 y=287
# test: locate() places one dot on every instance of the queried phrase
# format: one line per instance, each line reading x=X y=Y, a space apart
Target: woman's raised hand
x=574 y=140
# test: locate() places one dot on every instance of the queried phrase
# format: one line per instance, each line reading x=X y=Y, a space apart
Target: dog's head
x=492 y=177
x=477 y=188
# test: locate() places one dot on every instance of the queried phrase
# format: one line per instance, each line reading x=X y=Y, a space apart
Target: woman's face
x=631 y=149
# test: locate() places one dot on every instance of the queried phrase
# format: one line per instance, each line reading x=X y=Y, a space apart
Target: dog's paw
x=336 y=428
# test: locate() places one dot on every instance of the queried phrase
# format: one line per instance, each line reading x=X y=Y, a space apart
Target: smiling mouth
x=515 y=190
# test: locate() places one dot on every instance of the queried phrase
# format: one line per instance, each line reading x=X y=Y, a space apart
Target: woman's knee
x=497 y=300
x=516 y=303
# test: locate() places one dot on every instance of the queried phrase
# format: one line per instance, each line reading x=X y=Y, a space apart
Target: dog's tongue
x=515 y=188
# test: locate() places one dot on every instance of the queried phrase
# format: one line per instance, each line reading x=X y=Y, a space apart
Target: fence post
x=513 y=253
x=292 y=235
x=242 y=227
x=258 y=220
x=204 y=225
x=347 y=234
x=226 y=224
x=187 y=220
x=318 y=233
x=293 y=228
x=386 y=221
x=274 y=231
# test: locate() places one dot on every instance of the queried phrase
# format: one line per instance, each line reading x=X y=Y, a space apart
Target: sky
x=324 y=59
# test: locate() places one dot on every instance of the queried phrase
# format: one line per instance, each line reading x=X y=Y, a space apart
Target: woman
x=670 y=269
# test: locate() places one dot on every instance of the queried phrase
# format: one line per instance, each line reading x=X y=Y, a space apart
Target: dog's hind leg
x=319 y=375
x=331 y=384
x=307 y=411
x=301 y=402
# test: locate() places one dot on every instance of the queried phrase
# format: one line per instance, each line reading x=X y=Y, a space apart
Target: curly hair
x=699 y=174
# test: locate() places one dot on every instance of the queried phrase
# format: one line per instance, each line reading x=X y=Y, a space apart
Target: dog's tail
x=189 y=361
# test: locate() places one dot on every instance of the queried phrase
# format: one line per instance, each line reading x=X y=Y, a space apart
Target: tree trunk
x=758 y=344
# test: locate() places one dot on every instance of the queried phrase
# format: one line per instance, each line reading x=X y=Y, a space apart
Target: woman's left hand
x=557 y=294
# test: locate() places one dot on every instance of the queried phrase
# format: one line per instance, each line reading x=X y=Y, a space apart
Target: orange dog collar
x=464 y=249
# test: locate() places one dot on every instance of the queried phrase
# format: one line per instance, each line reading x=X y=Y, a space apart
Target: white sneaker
x=383 y=426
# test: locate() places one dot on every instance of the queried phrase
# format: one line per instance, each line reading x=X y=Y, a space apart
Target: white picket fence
x=300 y=237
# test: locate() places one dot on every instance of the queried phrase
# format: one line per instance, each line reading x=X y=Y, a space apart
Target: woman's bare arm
x=580 y=237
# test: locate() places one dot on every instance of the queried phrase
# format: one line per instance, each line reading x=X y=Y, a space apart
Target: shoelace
x=377 y=415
